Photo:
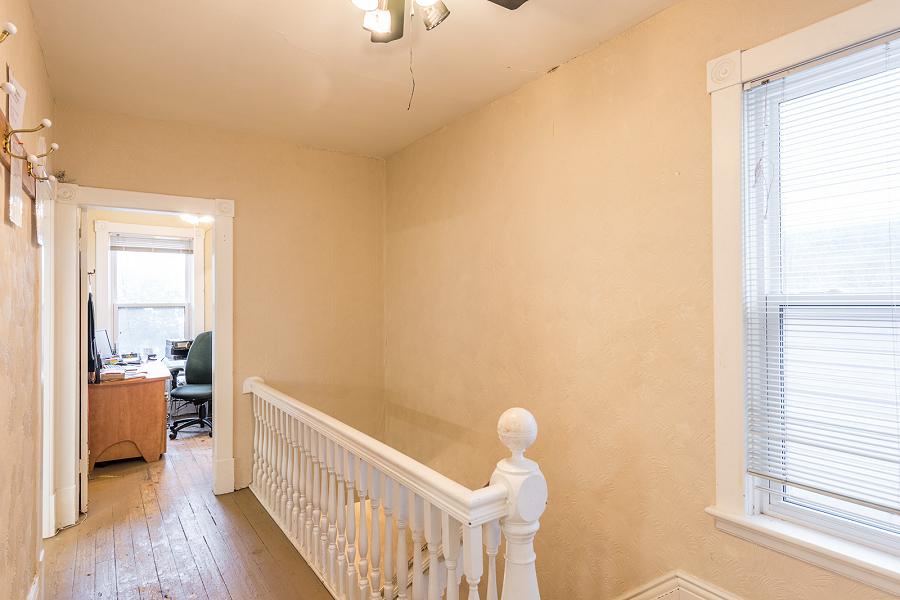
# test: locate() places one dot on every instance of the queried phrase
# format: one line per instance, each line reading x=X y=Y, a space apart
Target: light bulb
x=377 y=21
x=366 y=5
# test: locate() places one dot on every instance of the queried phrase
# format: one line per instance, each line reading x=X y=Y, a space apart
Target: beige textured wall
x=553 y=250
x=20 y=403
x=308 y=245
x=135 y=217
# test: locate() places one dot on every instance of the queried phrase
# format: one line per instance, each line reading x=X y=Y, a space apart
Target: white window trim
x=105 y=311
x=734 y=511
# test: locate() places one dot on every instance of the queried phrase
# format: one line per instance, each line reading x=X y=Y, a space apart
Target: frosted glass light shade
x=377 y=21
x=434 y=15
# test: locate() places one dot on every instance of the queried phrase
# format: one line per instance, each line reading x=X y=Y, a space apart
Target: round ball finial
x=517 y=429
x=32 y=159
x=10 y=28
x=54 y=146
x=46 y=123
x=8 y=88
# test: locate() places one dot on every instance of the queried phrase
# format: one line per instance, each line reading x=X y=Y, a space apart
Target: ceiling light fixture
x=433 y=14
x=378 y=20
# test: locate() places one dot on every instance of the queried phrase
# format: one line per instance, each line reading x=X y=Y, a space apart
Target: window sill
x=872 y=567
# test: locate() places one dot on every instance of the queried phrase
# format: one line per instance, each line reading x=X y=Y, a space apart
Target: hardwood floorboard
x=155 y=530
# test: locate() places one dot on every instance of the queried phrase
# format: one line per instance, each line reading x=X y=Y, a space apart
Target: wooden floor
x=155 y=530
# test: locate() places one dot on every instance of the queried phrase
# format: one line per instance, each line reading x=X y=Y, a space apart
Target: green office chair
x=197 y=386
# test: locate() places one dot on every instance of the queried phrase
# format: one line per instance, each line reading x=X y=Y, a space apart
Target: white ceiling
x=305 y=70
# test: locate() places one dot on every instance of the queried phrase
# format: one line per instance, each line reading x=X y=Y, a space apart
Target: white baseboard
x=223 y=476
x=48 y=517
x=36 y=591
x=66 y=506
x=677 y=585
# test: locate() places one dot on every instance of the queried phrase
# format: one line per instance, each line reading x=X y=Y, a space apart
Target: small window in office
x=151 y=290
x=822 y=294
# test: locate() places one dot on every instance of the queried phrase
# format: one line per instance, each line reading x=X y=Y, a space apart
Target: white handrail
x=473 y=507
x=339 y=495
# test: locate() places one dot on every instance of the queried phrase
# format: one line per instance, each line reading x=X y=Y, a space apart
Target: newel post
x=527 y=487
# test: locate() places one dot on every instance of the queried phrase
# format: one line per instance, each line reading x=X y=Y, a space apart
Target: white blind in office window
x=822 y=284
x=131 y=242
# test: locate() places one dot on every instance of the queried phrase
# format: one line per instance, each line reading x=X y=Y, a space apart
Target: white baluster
x=264 y=454
x=433 y=539
x=418 y=528
x=492 y=547
x=387 y=504
x=402 y=558
x=352 y=581
x=363 y=533
x=450 y=533
x=279 y=467
x=301 y=460
x=316 y=499
x=297 y=478
x=527 y=500
x=323 y=503
x=254 y=481
x=286 y=466
x=472 y=560
x=270 y=453
x=275 y=483
x=310 y=493
x=375 y=553
x=291 y=477
x=332 y=516
x=340 y=578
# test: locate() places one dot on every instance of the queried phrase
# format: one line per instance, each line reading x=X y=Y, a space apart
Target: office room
x=147 y=275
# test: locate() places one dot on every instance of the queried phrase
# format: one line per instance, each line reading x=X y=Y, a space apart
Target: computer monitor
x=104 y=348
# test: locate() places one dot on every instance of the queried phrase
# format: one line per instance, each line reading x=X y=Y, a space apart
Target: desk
x=127 y=418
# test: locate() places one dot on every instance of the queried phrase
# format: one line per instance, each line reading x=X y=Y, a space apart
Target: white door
x=83 y=386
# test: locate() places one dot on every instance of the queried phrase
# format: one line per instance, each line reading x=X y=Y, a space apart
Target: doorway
x=194 y=294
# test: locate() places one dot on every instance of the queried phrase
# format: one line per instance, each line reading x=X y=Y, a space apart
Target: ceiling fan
x=385 y=18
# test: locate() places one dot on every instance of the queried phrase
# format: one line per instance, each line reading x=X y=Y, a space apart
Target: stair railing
x=352 y=505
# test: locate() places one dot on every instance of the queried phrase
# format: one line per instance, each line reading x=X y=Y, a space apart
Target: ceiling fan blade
x=510 y=4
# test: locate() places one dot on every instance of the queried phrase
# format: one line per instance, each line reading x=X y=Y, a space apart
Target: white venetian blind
x=822 y=284
x=130 y=242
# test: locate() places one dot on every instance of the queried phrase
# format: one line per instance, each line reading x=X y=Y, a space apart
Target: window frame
x=739 y=509
x=106 y=307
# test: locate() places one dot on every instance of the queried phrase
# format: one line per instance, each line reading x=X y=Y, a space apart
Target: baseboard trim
x=66 y=506
x=36 y=591
x=677 y=585
x=223 y=476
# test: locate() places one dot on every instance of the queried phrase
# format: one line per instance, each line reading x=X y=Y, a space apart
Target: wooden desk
x=127 y=418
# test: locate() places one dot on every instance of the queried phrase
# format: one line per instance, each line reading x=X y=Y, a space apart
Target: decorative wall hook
x=33 y=162
x=53 y=148
x=7 y=142
x=8 y=30
x=8 y=88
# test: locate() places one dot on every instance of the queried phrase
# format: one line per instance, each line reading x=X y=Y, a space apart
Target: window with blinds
x=822 y=290
x=151 y=290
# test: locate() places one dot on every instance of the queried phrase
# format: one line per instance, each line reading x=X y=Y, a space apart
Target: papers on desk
x=119 y=373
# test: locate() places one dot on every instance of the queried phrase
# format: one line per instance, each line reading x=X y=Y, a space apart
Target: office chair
x=197 y=386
